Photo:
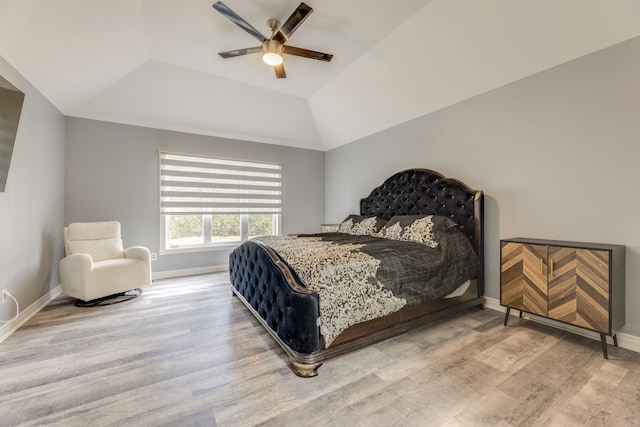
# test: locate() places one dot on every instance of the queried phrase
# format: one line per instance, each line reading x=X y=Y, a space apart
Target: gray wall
x=556 y=155
x=32 y=205
x=112 y=174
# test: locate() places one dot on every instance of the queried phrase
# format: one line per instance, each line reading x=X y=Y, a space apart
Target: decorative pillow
x=424 y=229
x=361 y=226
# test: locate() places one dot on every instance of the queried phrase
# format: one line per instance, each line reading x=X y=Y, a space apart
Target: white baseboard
x=630 y=342
x=8 y=328
x=168 y=274
x=493 y=304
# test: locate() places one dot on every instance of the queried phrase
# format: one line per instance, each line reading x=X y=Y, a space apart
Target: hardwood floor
x=187 y=353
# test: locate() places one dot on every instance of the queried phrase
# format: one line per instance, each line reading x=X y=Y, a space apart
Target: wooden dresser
x=581 y=284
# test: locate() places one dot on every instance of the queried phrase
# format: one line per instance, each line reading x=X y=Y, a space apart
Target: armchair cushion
x=100 y=240
x=94 y=230
x=98 y=250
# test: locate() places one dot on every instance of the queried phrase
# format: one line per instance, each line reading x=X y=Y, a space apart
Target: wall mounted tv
x=11 y=100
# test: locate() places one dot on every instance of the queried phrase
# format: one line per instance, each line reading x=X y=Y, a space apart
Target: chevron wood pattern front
x=524 y=277
x=579 y=287
x=584 y=283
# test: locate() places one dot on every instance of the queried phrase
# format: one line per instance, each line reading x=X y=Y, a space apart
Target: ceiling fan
x=275 y=47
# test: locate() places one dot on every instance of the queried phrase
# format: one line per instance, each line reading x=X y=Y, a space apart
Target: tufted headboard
x=426 y=192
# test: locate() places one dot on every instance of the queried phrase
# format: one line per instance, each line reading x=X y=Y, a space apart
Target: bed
x=264 y=277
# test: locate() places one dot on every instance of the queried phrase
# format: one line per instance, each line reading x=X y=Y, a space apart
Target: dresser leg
x=506 y=315
x=603 y=340
x=615 y=340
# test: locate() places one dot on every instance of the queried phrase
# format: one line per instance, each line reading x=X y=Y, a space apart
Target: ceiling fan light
x=272 y=58
x=272 y=52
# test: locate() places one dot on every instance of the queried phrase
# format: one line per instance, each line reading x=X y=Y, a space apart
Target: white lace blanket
x=344 y=277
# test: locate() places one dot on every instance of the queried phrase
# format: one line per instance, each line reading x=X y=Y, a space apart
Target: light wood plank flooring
x=187 y=353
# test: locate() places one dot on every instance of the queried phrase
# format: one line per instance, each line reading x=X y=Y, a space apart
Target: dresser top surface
x=565 y=243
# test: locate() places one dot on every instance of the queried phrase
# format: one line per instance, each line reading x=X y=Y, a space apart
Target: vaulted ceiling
x=155 y=63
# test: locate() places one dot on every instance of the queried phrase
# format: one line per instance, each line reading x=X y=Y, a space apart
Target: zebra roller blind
x=192 y=185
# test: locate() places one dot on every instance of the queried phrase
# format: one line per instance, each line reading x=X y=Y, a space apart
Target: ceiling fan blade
x=306 y=53
x=279 y=69
x=223 y=9
x=240 y=52
x=293 y=22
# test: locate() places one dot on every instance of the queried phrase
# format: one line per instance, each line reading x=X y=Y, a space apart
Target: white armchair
x=96 y=264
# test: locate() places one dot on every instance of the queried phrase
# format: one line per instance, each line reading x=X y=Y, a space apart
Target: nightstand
x=329 y=228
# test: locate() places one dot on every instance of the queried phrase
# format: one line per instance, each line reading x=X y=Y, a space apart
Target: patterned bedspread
x=360 y=278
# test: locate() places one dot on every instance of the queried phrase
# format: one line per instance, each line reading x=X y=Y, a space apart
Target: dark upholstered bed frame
x=289 y=311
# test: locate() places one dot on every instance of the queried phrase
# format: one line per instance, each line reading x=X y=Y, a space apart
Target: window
x=207 y=202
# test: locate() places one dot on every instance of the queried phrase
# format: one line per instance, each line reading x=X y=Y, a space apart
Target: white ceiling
x=155 y=63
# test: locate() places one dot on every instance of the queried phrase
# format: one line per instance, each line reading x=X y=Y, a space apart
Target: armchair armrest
x=139 y=252
x=74 y=270
x=144 y=255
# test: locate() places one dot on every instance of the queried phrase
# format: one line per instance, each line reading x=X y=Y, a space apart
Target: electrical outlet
x=5 y=295
x=154 y=256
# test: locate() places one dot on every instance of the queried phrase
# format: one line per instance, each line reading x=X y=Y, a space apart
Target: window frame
x=209 y=246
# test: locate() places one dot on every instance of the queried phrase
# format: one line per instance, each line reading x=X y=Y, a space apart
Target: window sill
x=191 y=249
